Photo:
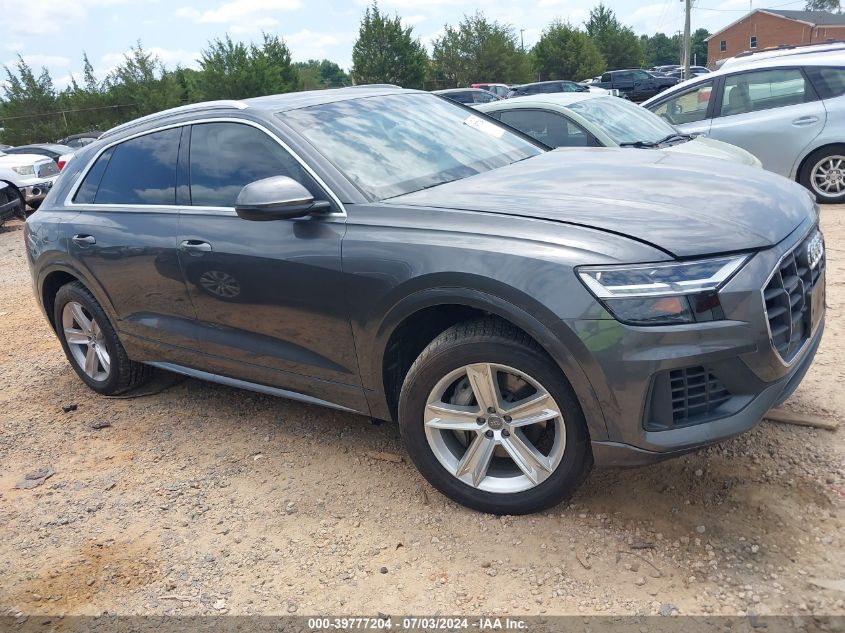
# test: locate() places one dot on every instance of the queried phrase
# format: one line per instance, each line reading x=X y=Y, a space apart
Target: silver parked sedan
x=787 y=111
x=586 y=119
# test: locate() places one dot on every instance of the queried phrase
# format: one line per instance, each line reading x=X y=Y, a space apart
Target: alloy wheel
x=495 y=428
x=85 y=341
x=828 y=176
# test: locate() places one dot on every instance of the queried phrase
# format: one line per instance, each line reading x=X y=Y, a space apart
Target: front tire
x=91 y=343
x=490 y=421
x=823 y=173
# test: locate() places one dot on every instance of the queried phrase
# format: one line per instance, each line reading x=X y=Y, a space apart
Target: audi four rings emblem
x=815 y=250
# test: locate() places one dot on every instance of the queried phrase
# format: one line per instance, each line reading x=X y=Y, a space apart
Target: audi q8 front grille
x=788 y=295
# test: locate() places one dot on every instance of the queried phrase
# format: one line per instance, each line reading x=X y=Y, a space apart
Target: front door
x=125 y=240
x=268 y=294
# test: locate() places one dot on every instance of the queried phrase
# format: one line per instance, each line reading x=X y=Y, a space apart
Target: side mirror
x=276 y=198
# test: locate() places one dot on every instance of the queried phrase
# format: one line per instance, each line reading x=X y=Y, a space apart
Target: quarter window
x=828 y=81
x=141 y=171
x=688 y=107
x=763 y=90
x=225 y=157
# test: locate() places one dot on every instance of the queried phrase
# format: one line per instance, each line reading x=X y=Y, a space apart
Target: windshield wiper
x=671 y=137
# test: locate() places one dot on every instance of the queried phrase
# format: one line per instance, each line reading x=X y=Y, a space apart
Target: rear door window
x=764 y=90
x=141 y=171
x=225 y=157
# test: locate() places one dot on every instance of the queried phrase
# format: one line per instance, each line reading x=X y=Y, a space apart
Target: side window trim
x=339 y=210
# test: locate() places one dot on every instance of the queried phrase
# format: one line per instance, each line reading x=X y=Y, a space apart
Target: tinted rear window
x=829 y=82
x=142 y=171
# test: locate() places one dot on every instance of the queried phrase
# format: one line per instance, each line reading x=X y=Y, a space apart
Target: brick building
x=765 y=28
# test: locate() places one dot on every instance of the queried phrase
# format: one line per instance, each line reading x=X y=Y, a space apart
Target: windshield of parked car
x=392 y=145
x=623 y=121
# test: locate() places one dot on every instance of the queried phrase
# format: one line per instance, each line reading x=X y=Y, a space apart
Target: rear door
x=124 y=238
x=774 y=114
x=268 y=295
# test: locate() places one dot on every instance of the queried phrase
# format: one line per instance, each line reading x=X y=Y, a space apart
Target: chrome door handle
x=84 y=239
x=805 y=120
x=195 y=246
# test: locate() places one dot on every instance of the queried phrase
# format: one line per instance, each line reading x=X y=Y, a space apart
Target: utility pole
x=522 y=39
x=688 y=7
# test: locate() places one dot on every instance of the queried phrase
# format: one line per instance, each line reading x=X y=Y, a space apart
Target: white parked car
x=32 y=174
x=586 y=119
x=787 y=110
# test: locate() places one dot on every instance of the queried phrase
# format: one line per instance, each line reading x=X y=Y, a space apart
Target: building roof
x=812 y=18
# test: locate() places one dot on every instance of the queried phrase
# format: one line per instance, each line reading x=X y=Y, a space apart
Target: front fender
x=532 y=317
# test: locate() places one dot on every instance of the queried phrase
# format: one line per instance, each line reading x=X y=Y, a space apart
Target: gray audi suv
x=521 y=313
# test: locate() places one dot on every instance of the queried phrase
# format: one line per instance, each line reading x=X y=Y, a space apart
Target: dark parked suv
x=391 y=253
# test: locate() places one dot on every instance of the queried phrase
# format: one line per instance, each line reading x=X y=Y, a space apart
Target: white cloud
x=412 y=20
x=30 y=18
x=37 y=61
x=307 y=44
x=237 y=11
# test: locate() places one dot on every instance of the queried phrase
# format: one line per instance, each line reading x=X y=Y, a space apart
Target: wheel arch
x=423 y=315
x=804 y=159
x=58 y=275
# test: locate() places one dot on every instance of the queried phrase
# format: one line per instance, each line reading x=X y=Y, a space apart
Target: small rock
x=701 y=529
x=699 y=473
x=292 y=608
x=100 y=424
x=640 y=581
x=220 y=604
x=67 y=408
x=383 y=570
x=485 y=564
x=35 y=478
x=666 y=608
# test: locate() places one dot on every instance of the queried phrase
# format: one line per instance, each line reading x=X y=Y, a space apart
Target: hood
x=701 y=146
x=682 y=204
x=21 y=160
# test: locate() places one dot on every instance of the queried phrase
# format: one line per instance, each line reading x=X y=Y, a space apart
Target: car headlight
x=664 y=293
x=26 y=170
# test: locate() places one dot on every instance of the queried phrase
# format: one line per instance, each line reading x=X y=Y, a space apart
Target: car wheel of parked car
x=91 y=344
x=491 y=422
x=823 y=173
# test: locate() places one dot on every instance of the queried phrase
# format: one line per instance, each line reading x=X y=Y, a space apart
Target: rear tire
x=823 y=173
x=91 y=344
x=505 y=464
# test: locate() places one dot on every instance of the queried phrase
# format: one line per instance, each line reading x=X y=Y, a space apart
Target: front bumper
x=36 y=190
x=635 y=370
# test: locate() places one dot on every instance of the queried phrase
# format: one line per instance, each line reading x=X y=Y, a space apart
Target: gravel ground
x=204 y=499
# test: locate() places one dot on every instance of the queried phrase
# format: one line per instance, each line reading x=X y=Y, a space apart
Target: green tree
x=479 y=50
x=142 y=83
x=823 y=5
x=564 y=52
x=29 y=109
x=659 y=50
x=387 y=52
x=234 y=70
x=316 y=74
x=698 y=47
x=618 y=44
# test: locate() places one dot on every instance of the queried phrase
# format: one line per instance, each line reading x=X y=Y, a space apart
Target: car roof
x=53 y=147
x=266 y=105
x=540 y=83
x=447 y=91
x=825 y=58
x=562 y=99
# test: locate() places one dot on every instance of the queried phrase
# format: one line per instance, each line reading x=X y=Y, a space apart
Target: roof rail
x=223 y=104
x=376 y=86
x=788 y=47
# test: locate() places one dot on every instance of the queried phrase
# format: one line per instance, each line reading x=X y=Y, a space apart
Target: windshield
x=392 y=145
x=623 y=121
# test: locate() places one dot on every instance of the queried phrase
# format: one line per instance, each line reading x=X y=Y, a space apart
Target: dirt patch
x=203 y=499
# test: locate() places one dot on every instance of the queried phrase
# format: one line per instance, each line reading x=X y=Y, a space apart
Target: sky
x=55 y=36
